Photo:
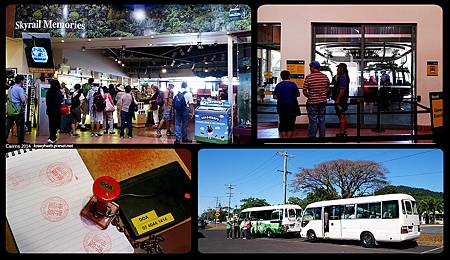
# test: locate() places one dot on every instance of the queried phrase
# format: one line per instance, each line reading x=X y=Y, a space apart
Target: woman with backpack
x=108 y=112
x=75 y=109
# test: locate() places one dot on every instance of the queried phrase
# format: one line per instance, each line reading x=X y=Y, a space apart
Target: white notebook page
x=45 y=192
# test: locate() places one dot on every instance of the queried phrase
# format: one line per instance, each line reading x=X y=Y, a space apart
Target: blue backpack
x=179 y=103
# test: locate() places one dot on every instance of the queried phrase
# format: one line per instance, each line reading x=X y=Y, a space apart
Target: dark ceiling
x=204 y=60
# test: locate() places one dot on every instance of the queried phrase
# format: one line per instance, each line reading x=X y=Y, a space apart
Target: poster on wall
x=127 y=20
x=297 y=70
x=432 y=68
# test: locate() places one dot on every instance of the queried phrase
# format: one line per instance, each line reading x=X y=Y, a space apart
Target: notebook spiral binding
x=18 y=152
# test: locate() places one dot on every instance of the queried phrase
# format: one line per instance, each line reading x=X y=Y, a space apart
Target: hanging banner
x=437 y=109
x=297 y=70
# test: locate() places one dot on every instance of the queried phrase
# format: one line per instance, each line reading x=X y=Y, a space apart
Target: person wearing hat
x=315 y=89
x=340 y=97
x=120 y=93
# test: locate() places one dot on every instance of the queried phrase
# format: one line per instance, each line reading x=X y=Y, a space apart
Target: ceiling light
x=115 y=59
x=123 y=47
x=173 y=63
x=89 y=40
x=152 y=36
x=120 y=38
x=123 y=64
x=190 y=48
x=163 y=70
x=83 y=48
x=150 y=44
x=181 y=52
x=139 y=14
x=193 y=66
x=62 y=40
x=119 y=61
x=206 y=70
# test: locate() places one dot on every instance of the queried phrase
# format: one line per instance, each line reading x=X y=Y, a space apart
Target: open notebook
x=45 y=192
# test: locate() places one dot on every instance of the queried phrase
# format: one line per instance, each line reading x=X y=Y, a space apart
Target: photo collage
x=248 y=127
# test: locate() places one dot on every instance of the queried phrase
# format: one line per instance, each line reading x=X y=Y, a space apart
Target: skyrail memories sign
x=103 y=21
x=48 y=24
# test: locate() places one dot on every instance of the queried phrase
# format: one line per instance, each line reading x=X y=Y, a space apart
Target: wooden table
x=122 y=164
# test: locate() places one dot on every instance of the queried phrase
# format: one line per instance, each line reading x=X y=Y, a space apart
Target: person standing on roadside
x=315 y=90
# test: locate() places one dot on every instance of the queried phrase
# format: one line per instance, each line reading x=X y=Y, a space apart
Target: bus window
x=375 y=210
x=312 y=214
x=276 y=214
x=362 y=211
x=403 y=208
x=390 y=209
x=244 y=215
x=408 y=207
x=349 y=212
x=414 y=206
x=292 y=213
x=335 y=212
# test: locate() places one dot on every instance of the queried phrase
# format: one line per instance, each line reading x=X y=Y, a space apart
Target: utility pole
x=229 y=194
x=285 y=171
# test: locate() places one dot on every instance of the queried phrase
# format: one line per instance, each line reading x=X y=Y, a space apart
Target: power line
x=255 y=170
x=407 y=156
x=230 y=187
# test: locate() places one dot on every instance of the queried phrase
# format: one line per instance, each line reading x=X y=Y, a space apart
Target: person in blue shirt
x=17 y=96
x=340 y=97
x=286 y=93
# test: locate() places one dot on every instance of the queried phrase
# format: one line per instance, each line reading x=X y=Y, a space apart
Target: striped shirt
x=315 y=88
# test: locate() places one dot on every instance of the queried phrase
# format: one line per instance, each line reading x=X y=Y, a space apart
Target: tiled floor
x=145 y=135
x=267 y=131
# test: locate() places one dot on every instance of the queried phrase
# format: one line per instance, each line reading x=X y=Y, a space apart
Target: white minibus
x=273 y=220
x=372 y=219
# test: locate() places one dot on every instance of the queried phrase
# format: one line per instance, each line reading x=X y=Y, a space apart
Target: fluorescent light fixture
x=163 y=70
x=139 y=15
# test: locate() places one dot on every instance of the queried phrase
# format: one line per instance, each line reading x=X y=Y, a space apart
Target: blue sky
x=254 y=171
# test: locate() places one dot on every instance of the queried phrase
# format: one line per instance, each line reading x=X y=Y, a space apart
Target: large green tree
x=253 y=202
x=347 y=177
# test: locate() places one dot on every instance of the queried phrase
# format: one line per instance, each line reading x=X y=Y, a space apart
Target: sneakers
x=176 y=142
x=50 y=141
x=111 y=132
x=158 y=133
x=105 y=132
x=75 y=135
x=170 y=133
x=122 y=136
x=98 y=134
x=129 y=137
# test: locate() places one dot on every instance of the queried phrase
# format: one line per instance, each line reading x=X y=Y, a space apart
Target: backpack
x=160 y=99
x=99 y=102
x=76 y=99
x=109 y=106
x=179 y=103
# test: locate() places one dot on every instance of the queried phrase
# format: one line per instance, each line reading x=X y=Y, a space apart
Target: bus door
x=411 y=216
x=332 y=222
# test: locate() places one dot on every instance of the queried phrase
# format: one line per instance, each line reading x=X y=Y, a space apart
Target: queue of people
x=239 y=229
x=100 y=103
x=316 y=90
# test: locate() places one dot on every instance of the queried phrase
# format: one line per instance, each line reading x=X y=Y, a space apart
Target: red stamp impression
x=56 y=174
x=54 y=209
x=17 y=181
x=97 y=242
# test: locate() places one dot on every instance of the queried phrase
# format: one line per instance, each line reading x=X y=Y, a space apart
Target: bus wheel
x=311 y=236
x=269 y=233
x=367 y=240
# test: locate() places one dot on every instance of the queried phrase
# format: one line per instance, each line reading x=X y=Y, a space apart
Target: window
x=362 y=210
x=244 y=215
x=335 y=212
x=408 y=207
x=349 y=212
x=375 y=210
x=403 y=208
x=312 y=214
x=276 y=214
x=414 y=206
x=262 y=215
x=292 y=213
x=390 y=209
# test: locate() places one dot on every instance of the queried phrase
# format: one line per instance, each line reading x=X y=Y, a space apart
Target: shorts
x=97 y=117
x=168 y=113
x=75 y=114
x=85 y=108
x=287 y=123
x=343 y=108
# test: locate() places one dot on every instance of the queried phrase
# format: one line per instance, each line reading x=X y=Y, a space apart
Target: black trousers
x=237 y=232
x=20 y=124
x=54 y=122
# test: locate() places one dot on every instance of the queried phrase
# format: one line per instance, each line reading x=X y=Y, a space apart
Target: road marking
x=431 y=250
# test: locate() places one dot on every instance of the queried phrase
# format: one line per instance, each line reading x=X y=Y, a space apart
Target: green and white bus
x=273 y=220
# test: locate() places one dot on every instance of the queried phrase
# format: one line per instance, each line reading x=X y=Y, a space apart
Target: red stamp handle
x=106 y=189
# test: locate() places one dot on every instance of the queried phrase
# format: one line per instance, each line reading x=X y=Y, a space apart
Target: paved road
x=434 y=230
x=215 y=242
